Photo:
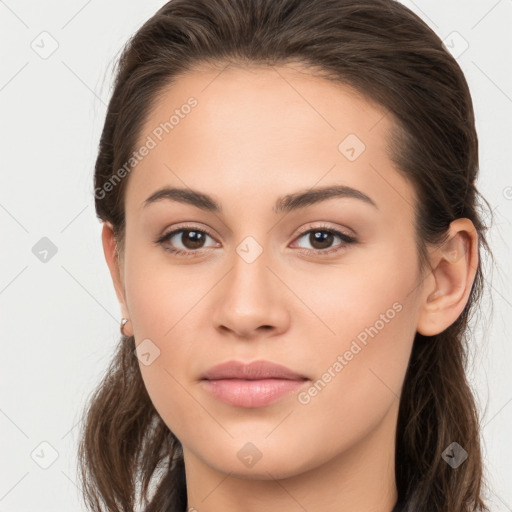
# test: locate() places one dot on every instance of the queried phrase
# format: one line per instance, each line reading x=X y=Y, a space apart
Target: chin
x=253 y=461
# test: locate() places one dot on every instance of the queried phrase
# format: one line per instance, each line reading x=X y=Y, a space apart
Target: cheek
x=370 y=310
x=359 y=377
x=159 y=294
x=366 y=292
x=161 y=300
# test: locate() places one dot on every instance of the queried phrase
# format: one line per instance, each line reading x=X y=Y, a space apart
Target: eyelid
x=187 y=225
x=325 y=227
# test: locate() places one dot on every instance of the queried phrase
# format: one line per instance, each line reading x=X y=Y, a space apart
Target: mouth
x=251 y=385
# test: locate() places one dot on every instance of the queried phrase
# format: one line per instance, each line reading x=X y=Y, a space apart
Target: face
x=326 y=285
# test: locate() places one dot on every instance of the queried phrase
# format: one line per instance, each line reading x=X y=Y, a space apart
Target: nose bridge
x=249 y=297
x=250 y=274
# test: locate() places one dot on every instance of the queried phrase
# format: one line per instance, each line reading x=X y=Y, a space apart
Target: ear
x=447 y=289
x=115 y=266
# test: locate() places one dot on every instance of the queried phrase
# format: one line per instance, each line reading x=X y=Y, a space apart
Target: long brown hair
x=127 y=455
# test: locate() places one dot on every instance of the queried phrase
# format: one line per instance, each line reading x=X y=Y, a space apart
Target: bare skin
x=255 y=136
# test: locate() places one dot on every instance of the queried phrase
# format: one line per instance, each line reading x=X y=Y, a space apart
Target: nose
x=250 y=300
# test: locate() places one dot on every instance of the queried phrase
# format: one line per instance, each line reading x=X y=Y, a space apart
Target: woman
x=290 y=219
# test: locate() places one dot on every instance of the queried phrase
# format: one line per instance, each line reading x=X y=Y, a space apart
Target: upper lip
x=251 y=371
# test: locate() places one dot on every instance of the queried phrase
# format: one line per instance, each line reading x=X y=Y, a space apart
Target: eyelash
x=347 y=240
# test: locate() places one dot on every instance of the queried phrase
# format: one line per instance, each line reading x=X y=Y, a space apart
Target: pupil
x=195 y=239
x=323 y=238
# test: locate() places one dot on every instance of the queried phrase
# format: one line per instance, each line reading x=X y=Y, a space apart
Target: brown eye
x=321 y=240
x=191 y=240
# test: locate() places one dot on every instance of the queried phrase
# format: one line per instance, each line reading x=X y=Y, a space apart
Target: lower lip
x=250 y=393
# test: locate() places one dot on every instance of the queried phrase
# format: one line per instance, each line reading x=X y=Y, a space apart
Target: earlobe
x=454 y=266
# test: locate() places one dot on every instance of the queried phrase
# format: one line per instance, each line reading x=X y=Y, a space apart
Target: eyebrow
x=285 y=203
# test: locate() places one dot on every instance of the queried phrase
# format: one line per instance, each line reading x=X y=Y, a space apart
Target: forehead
x=249 y=132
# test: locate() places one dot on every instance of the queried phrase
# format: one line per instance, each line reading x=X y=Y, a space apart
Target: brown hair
x=387 y=53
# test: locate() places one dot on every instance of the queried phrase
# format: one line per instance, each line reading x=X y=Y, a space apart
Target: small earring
x=123 y=323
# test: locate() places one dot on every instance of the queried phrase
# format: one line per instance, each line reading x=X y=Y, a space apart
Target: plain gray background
x=60 y=317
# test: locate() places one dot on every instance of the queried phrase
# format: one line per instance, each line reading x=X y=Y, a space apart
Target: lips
x=251 y=385
x=253 y=371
